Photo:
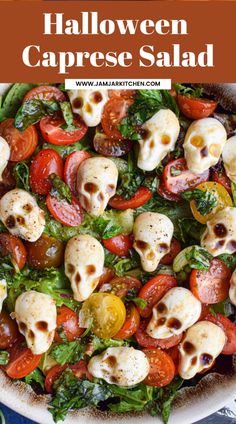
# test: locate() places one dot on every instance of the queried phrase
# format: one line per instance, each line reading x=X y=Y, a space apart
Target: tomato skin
x=120 y=286
x=167 y=194
x=108 y=146
x=230 y=331
x=185 y=180
x=13 y=246
x=221 y=178
x=22 y=362
x=194 y=107
x=211 y=286
x=147 y=341
x=131 y=323
x=46 y=162
x=119 y=245
x=53 y=133
x=142 y=195
x=69 y=322
x=8 y=180
x=127 y=94
x=173 y=352
x=162 y=368
x=79 y=370
x=71 y=168
x=114 y=111
x=22 y=144
x=175 y=248
x=9 y=332
x=154 y=290
x=46 y=252
x=107 y=275
x=70 y=215
x=45 y=92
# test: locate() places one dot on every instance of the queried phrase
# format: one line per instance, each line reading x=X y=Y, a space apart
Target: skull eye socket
x=142 y=245
x=214 y=150
x=206 y=359
x=110 y=188
x=188 y=348
x=161 y=308
x=77 y=103
x=231 y=245
x=220 y=230
x=197 y=141
x=22 y=327
x=42 y=326
x=91 y=188
x=70 y=269
x=10 y=221
x=96 y=97
x=174 y=323
x=163 y=247
x=90 y=269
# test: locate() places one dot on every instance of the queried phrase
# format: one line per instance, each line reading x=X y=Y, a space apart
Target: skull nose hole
x=204 y=152
x=188 y=348
x=194 y=360
x=110 y=188
x=22 y=327
x=231 y=245
x=91 y=188
x=42 y=326
x=206 y=359
x=174 y=323
x=161 y=308
x=90 y=269
x=150 y=255
x=31 y=335
x=197 y=141
x=77 y=278
x=88 y=108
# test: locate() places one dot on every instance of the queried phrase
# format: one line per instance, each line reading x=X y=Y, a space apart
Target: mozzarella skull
x=123 y=366
x=232 y=289
x=36 y=316
x=88 y=104
x=203 y=342
x=220 y=234
x=229 y=158
x=84 y=261
x=21 y=215
x=152 y=236
x=203 y=144
x=160 y=134
x=96 y=182
x=174 y=313
x=3 y=292
x=4 y=155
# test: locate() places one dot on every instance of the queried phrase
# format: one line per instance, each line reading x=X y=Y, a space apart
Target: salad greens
x=35 y=376
x=205 y=201
x=4 y=357
x=60 y=188
x=13 y=99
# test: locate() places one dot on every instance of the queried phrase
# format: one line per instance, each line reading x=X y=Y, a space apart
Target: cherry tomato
x=167 y=194
x=142 y=195
x=80 y=370
x=121 y=286
x=145 y=340
x=154 y=290
x=131 y=323
x=108 y=146
x=119 y=245
x=68 y=322
x=175 y=248
x=211 y=286
x=162 y=368
x=173 y=352
x=230 y=331
x=127 y=94
x=46 y=252
x=221 y=178
x=14 y=247
x=204 y=312
x=114 y=111
x=8 y=331
x=45 y=92
x=22 y=144
x=178 y=178
x=8 y=180
x=71 y=168
x=66 y=213
x=52 y=131
x=46 y=162
x=107 y=275
x=106 y=312
x=22 y=362
x=194 y=107
x=223 y=200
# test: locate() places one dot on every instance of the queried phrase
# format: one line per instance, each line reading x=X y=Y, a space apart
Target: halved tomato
x=195 y=107
x=162 y=368
x=52 y=131
x=69 y=214
x=108 y=146
x=175 y=248
x=178 y=178
x=80 y=370
x=45 y=92
x=122 y=286
x=229 y=329
x=45 y=163
x=131 y=323
x=22 y=362
x=22 y=144
x=221 y=178
x=114 y=111
x=68 y=322
x=72 y=164
x=14 y=247
x=142 y=195
x=167 y=194
x=119 y=245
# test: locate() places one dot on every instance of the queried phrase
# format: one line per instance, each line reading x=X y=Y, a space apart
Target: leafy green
x=13 y=100
x=94 y=344
x=141 y=303
x=136 y=399
x=146 y=104
x=205 y=201
x=233 y=189
x=21 y=174
x=164 y=399
x=33 y=110
x=68 y=116
x=69 y=352
x=60 y=188
x=224 y=308
x=2 y=227
x=188 y=230
x=121 y=266
x=4 y=357
x=188 y=91
x=83 y=144
x=37 y=377
x=229 y=260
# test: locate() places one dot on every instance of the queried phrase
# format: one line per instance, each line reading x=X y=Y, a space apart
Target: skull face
x=96 y=183
x=3 y=292
x=203 y=144
x=202 y=343
x=36 y=316
x=220 y=234
x=84 y=261
x=232 y=290
x=175 y=312
x=160 y=134
x=152 y=236
x=229 y=158
x=4 y=155
x=88 y=104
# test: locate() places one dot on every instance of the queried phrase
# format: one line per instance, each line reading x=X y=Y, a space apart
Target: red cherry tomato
x=68 y=322
x=22 y=362
x=211 y=286
x=80 y=370
x=114 y=111
x=177 y=177
x=162 y=368
x=22 y=144
x=71 y=167
x=145 y=340
x=167 y=194
x=119 y=245
x=107 y=275
x=131 y=323
x=173 y=352
x=221 y=178
x=230 y=331
x=175 y=248
x=142 y=195
x=46 y=162
x=68 y=214
x=154 y=290
x=53 y=133
x=45 y=92
x=14 y=247
x=194 y=107
x=121 y=286
x=8 y=331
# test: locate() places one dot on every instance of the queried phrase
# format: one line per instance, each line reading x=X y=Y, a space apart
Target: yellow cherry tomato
x=105 y=312
x=223 y=200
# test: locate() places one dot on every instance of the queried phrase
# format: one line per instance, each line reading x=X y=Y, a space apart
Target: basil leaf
x=35 y=376
x=4 y=357
x=60 y=189
x=32 y=111
x=13 y=99
x=21 y=174
x=205 y=201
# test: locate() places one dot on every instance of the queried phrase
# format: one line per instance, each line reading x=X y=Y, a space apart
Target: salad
x=117 y=244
